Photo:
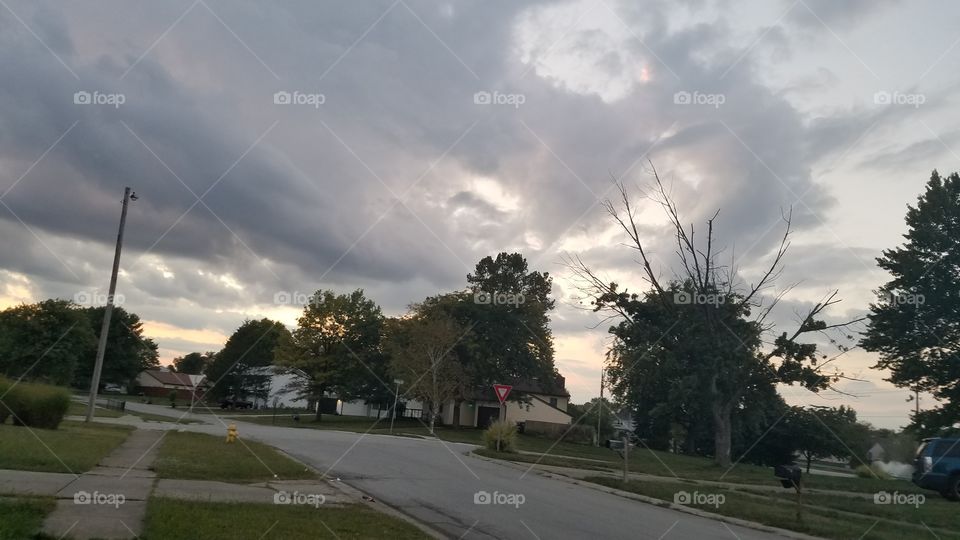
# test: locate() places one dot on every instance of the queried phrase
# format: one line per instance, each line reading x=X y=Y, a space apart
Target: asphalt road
x=437 y=483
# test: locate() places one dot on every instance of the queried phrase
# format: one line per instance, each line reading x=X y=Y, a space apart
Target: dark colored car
x=235 y=404
x=937 y=467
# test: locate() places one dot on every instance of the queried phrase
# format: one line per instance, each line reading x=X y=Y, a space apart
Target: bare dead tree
x=731 y=371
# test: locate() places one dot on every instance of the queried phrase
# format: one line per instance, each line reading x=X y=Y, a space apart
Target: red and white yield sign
x=502 y=390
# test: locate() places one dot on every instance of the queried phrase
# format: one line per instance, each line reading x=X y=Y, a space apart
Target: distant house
x=543 y=403
x=160 y=382
x=623 y=421
x=279 y=389
x=876 y=453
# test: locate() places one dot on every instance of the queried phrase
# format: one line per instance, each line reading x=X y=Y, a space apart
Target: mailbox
x=789 y=475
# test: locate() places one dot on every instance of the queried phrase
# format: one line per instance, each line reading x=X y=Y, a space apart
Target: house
x=539 y=402
x=623 y=421
x=876 y=453
x=279 y=388
x=160 y=382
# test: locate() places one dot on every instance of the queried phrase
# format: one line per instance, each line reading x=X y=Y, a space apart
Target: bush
x=37 y=405
x=872 y=471
x=505 y=433
x=573 y=434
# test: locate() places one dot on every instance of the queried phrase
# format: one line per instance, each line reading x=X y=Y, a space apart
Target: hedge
x=34 y=405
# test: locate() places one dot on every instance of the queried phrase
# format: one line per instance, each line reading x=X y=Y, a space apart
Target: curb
x=656 y=502
x=369 y=501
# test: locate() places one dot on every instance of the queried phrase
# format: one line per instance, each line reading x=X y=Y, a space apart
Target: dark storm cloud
x=365 y=189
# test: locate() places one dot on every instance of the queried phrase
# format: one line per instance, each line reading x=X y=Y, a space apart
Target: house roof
x=172 y=378
x=528 y=386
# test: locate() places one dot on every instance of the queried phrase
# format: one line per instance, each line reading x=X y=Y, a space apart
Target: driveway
x=437 y=483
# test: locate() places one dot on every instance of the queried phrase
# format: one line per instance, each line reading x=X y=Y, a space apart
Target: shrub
x=872 y=471
x=551 y=430
x=502 y=436
x=37 y=405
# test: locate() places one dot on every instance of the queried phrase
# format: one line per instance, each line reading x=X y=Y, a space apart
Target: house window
x=553 y=402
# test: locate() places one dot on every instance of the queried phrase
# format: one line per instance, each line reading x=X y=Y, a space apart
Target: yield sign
x=502 y=390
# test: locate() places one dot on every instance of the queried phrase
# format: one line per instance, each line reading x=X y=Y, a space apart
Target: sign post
x=502 y=391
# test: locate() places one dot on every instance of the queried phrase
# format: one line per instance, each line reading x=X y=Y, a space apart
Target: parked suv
x=937 y=467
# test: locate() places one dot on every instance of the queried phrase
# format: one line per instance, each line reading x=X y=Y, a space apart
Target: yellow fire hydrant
x=232 y=433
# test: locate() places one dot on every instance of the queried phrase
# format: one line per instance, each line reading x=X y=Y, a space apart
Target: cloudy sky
x=284 y=147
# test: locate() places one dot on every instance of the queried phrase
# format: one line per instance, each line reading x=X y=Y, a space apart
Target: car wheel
x=952 y=492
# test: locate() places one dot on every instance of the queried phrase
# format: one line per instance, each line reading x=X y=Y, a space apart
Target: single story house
x=160 y=382
x=541 y=403
x=281 y=388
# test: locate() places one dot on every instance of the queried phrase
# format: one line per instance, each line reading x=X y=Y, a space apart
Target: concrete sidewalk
x=110 y=501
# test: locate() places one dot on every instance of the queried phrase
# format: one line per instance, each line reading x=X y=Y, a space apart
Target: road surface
x=439 y=484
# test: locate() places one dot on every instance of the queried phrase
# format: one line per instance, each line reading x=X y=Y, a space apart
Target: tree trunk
x=722 y=435
x=433 y=416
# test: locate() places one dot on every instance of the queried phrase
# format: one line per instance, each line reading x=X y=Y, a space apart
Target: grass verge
x=683 y=467
x=195 y=456
x=167 y=518
x=74 y=447
x=845 y=522
x=22 y=517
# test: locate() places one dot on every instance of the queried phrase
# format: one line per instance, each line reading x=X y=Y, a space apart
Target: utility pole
x=600 y=405
x=108 y=310
x=396 y=396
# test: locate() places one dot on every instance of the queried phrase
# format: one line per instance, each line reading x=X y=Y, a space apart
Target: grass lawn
x=362 y=424
x=74 y=447
x=167 y=518
x=22 y=517
x=823 y=522
x=80 y=409
x=935 y=512
x=659 y=463
x=195 y=456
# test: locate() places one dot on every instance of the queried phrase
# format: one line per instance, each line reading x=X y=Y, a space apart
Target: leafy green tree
x=822 y=432
x=593 y=411
x=44 y=341
x=237 y=370
x=128 y=352
x=510 y=319
x=194 y=363
x=422 y=350
x=337 y=345
x=914 y=324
